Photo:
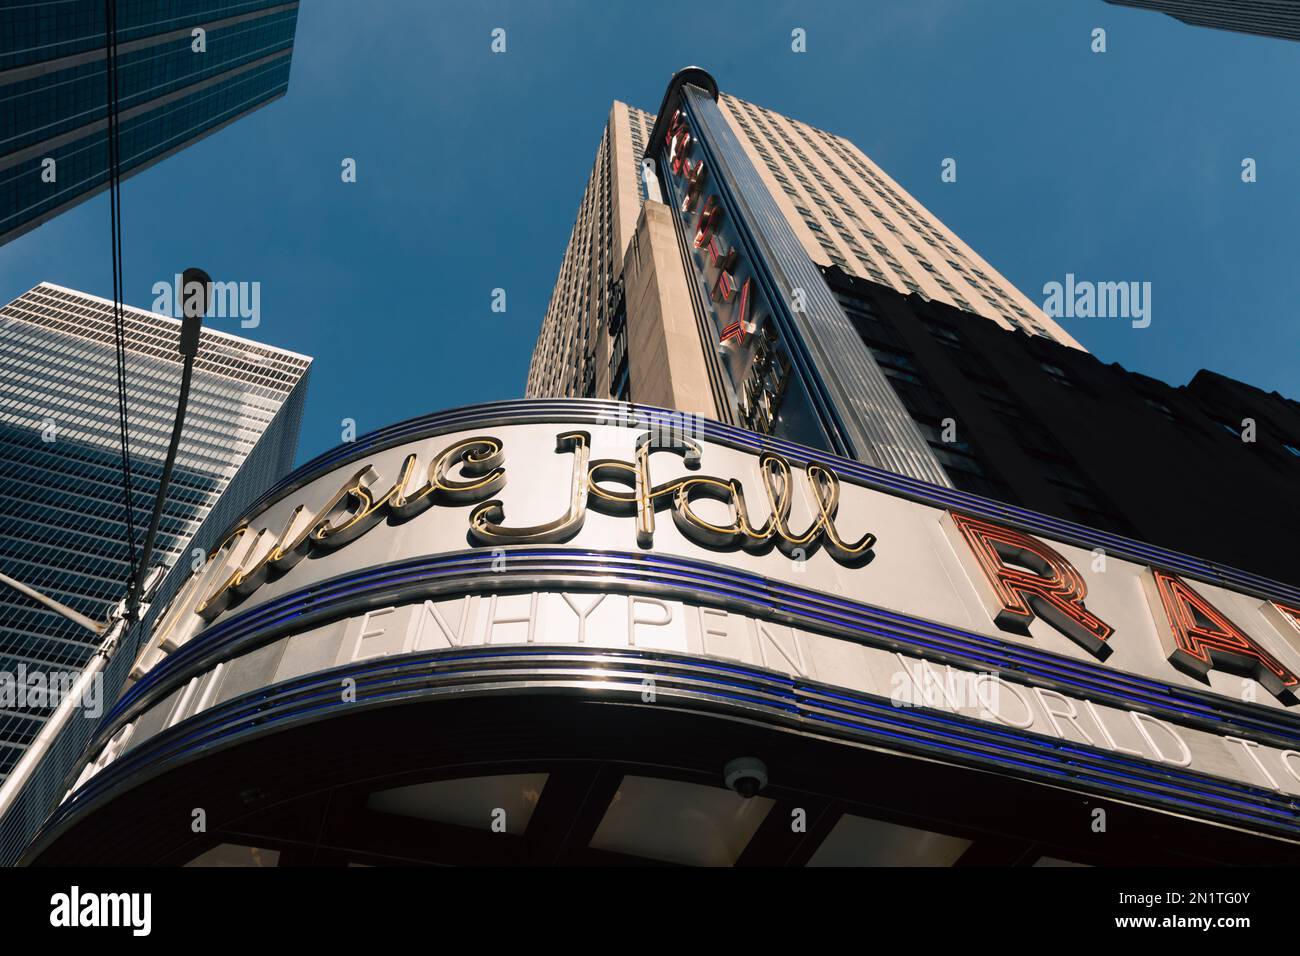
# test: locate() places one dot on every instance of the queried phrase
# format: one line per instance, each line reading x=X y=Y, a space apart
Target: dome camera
x=745 y=775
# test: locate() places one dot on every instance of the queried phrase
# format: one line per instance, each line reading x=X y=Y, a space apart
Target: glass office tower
x=1269 y=18
x=175 y=86
x=62 y=519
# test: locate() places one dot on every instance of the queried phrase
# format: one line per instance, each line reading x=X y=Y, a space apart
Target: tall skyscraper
x=627 y=319
x=1269 y=18
x=62 y=520
x=845 y=212
x=184 y=71
x=573 y=356
x=768 y=274
x=848 y=213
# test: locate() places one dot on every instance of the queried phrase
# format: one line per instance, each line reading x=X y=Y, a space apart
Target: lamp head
x=196 y=291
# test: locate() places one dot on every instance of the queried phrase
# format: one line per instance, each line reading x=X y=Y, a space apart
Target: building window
x=1161 y=407
x=946 y=335
x=1058 y=374
x=896 y=365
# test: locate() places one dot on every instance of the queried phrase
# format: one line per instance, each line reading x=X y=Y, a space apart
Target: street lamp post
x=196 y=289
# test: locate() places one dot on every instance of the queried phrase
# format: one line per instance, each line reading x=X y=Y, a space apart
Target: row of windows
x=563 y=360
x=937 y=420
x=83 y=164
x=582 y=303
x=752 y=125
x=51 y=104
x=37 y=32
x=90 y=319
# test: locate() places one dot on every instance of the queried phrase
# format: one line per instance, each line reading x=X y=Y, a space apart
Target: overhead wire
x=119 y=314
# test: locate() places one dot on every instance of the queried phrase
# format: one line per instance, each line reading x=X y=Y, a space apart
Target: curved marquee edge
x=681 y=681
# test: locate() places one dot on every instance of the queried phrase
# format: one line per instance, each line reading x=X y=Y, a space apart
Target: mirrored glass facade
x=174 y=87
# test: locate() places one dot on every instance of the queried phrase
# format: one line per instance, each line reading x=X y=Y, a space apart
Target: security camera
x=745 y=775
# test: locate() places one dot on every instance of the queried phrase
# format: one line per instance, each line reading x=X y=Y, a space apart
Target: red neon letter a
x=1052 y=590
x=1198 y=638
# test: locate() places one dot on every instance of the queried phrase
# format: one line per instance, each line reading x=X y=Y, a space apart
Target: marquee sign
x=1102 y=650
x=767 y=509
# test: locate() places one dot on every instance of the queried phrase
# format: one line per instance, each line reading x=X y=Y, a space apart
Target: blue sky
x=1116 y=166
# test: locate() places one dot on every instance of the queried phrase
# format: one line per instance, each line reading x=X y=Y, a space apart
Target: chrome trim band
x=690 y=683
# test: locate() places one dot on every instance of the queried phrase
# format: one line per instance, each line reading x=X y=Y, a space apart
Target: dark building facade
x=185 y=69
x=1270 y=18
x=1059 y=431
